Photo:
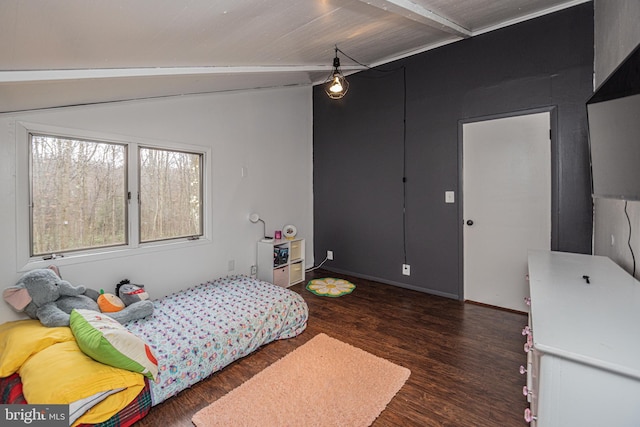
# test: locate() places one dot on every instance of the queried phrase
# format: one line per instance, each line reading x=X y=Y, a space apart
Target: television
x=613 y=114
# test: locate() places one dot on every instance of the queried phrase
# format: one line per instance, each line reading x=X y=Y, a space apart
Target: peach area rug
x=324 y=382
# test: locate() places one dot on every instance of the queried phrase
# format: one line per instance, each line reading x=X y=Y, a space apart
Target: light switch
x=449 y=197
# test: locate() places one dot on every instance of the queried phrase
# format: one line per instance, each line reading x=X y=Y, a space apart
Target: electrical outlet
x=254 y=270
x=406 y=269
x=330 y=255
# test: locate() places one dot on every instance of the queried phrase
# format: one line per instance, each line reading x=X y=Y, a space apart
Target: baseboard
x=510 y=310
x=394 y=283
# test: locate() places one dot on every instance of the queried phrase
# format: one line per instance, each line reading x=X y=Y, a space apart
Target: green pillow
x=107 y=341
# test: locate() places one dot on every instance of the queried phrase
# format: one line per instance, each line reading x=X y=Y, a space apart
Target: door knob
x=469 y=222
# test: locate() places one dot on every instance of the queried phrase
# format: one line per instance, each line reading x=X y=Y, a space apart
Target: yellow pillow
x=23 y=338
x=62 y=374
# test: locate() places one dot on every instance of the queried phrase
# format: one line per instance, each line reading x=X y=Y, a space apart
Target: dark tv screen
x=614 y=133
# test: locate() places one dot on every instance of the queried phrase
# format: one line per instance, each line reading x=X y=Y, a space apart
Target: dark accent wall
x=360 y=153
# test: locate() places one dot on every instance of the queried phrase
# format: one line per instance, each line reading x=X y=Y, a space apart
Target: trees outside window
x=170 y=194
x=80 y=195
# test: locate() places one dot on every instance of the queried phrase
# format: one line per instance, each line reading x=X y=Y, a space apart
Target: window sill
x=112 y=253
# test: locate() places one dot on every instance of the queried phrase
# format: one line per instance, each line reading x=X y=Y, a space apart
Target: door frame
x=556 y=168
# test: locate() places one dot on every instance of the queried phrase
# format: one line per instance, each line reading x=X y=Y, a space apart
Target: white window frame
x=134 y=247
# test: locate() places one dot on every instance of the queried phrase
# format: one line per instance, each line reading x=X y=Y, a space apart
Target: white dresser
x=584 y=349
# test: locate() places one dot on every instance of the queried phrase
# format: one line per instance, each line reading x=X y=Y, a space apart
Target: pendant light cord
x=368 y=67
x=404 y=162
x=354 y=60
x=404 y=140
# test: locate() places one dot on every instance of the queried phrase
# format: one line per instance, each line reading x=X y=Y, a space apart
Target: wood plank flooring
x=464 y=358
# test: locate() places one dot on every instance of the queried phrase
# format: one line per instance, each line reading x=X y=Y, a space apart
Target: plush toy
x=130 y=293
x=42 y=294
x=109 y=303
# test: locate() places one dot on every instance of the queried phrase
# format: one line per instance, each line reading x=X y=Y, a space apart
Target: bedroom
x=275 y=153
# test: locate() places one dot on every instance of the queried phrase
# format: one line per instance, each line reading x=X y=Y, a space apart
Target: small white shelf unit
x=280 y=269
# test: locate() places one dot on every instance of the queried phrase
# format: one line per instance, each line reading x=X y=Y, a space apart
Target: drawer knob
x=523 y=370
x=527 y=347
x=526 y=391
x=528 y=416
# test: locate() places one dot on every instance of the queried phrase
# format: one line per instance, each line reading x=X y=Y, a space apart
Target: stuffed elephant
x=42 y=294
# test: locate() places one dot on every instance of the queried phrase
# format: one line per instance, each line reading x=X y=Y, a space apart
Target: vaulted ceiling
x=71 y=52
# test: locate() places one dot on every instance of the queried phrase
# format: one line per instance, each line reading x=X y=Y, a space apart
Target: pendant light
x=336 y=85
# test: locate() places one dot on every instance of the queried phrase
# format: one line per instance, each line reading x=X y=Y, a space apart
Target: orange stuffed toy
x=109 y=303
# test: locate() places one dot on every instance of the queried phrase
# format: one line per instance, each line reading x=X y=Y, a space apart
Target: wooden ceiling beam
x=415 y=12
x=81 y=74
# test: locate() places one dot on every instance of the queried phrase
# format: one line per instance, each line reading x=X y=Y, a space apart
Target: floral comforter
x=200 y=330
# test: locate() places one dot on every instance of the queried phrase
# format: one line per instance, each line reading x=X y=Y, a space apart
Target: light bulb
x=336 y=86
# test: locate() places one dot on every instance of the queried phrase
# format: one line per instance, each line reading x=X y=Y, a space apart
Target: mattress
x=200 y=330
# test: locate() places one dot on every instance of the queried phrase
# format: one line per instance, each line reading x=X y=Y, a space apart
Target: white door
x=506 y=205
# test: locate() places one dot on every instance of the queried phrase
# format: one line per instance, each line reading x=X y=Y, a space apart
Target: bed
x=192 y=334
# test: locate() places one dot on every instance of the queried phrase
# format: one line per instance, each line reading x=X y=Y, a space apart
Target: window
x=78 y=194
x=86 y=194
x=170 y=194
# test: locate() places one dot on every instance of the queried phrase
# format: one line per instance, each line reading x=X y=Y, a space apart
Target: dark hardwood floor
x=464 y=358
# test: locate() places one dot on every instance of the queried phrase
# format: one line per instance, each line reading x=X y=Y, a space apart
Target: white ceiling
x=70 y=52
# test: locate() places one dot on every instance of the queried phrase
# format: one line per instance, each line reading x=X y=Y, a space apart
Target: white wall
x=268 y=132
x=616 y=34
